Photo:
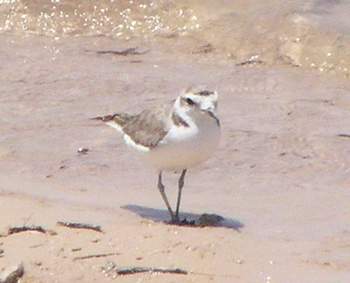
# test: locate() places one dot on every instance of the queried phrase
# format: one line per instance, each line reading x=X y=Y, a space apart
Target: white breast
x=185 y=147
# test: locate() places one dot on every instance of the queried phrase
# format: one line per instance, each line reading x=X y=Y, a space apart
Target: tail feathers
x=103 y=118
x=117 y=120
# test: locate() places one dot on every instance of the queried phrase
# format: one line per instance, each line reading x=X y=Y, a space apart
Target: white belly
x=186 y=147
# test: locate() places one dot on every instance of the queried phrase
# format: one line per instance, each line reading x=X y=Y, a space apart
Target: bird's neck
x=182 y=115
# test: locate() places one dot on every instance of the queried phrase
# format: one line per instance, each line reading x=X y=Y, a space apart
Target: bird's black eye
x=189 y=101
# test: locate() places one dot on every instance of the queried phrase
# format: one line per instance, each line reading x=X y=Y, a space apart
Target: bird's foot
x=183 y=222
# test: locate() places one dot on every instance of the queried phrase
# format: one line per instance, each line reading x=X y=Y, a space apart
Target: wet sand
x=280 y=178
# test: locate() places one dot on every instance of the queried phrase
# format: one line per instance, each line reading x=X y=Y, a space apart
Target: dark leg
x=181 y=185
x=162 y=192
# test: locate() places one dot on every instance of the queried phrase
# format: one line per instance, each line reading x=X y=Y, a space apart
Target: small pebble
x=76 y=249
x=38 y=263
x=83 y=150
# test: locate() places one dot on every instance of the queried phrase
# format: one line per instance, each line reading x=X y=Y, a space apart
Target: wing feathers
x=146 y=129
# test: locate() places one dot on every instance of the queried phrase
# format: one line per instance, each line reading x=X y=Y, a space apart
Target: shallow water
x=122 y=19
x=312 y=34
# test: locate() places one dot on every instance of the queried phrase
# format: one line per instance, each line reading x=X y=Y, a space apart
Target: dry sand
x=281 y=177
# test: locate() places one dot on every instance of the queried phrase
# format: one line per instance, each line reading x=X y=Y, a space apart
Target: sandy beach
x=280 y=178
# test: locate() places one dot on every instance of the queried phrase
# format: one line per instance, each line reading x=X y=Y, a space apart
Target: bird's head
x=197 y=99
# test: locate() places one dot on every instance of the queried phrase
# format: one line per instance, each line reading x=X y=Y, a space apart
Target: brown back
x=149 y=127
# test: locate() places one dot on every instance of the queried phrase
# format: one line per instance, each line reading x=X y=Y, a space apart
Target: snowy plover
x=173 y=137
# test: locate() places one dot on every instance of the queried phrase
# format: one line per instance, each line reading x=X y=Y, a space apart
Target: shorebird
x=174 y=136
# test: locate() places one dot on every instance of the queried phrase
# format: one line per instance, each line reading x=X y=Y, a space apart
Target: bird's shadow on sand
x=160 y=215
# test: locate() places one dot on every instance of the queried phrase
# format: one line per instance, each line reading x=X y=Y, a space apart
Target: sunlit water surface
x=312 y=34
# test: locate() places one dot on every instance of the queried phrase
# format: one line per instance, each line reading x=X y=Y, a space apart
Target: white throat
x=186 y=145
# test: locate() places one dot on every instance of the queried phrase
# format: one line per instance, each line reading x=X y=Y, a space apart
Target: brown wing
x=149 y=127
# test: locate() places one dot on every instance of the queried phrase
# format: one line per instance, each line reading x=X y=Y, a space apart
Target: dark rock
x=12 y=274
